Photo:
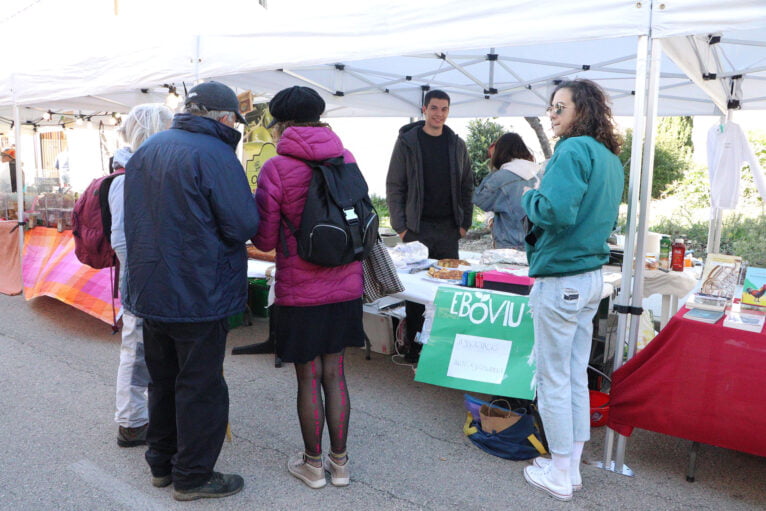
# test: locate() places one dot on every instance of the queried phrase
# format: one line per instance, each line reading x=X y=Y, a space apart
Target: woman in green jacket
x=571 y=214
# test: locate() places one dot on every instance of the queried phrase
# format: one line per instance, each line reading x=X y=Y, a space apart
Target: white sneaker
x=546 y=480
x=339 y=474
x=313 y=476
x=574 y=473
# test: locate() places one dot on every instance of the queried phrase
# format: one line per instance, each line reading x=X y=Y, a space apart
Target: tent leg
x=693 y=450
x=647 y=92
x=19 y=180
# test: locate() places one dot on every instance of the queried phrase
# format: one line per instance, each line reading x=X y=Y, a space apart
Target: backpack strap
x=106 y=222
x=115 y=281
x=103 y=201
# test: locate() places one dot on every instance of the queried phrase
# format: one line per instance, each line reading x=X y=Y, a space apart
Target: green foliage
x=693 y=187
x=381 y=206
x=481 y=133
x=672 y=154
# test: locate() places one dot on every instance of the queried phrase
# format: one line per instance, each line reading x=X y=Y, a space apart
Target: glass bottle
x=677 y=257
x=665 y=249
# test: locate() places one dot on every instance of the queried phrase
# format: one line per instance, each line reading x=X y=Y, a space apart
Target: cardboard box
x=379 y=330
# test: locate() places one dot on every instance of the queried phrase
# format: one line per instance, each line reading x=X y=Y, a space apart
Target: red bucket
x=599 y=408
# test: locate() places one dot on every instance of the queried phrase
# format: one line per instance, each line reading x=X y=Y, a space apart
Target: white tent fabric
x=371 y=58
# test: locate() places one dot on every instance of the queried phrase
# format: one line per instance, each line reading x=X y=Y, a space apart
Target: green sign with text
x=480 y=341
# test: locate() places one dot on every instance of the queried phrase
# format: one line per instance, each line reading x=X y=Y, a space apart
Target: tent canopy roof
x=496 y=58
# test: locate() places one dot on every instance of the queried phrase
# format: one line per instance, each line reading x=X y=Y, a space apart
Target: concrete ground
x=58 y=448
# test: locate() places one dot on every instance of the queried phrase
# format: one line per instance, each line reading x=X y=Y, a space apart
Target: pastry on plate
x=445 y=273
x=452 y=263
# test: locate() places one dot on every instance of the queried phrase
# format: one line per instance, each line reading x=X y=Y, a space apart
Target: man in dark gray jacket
x=188 y=213
x=428 y=190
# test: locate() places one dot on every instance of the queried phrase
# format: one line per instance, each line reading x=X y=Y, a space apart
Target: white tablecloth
x=417 y=289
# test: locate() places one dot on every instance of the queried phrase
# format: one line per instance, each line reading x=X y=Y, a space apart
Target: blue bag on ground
x=519 y=441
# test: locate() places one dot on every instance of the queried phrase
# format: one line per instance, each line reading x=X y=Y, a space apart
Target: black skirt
x=304 y=333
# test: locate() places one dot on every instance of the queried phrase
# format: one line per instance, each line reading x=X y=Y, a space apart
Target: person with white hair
x=132 y=414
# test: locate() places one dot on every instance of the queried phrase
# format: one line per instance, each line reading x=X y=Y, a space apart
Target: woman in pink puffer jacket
x=318 y=310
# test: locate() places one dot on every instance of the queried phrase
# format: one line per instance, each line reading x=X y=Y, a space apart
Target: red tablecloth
x=697 y=381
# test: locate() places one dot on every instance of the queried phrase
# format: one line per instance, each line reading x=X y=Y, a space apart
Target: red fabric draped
x=696 y=381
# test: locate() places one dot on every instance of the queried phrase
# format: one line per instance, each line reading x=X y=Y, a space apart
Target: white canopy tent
x=497 y=57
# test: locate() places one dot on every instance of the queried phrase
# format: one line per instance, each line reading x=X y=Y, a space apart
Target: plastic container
x=258 y=297
x=599 y=408
x=665 y=249
x=677 y=256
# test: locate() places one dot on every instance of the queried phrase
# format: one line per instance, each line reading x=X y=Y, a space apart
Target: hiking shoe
x=131 y=437
x=339 y=475
x=219 y=485
x=162 y=481
x=574 y=472
x=309 y=474
x=550 y=480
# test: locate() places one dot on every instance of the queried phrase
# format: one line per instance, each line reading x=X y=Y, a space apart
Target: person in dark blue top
x=188 y=213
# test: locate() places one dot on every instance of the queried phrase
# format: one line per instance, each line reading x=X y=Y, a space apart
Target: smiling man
x=428 y=190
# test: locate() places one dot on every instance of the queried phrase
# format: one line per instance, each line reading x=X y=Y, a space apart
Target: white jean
x=132 y=375
x=562 y=313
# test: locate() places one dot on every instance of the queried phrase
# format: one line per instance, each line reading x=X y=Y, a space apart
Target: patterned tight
x=325 y=371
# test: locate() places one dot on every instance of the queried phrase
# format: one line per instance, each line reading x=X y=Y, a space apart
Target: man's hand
x=462 y=232
x=402 y=234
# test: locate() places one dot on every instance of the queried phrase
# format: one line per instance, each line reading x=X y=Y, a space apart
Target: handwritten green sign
x=480 y=341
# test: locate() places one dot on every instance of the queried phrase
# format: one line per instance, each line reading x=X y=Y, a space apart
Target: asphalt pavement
x=58 y=447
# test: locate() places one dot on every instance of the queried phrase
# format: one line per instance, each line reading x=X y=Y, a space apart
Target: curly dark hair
x=509 y=147
x=593 y=116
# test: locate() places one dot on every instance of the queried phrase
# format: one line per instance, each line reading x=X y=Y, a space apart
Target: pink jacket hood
x=282 y=188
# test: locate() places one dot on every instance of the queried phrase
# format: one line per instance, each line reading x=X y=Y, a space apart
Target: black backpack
x=339 y=225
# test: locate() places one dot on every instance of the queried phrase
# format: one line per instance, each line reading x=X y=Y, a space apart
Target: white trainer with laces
x=574 y=472
x=313 y=476
x=552 y=481
x=339 y=474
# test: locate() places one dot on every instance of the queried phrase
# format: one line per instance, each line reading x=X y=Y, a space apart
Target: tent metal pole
x=19 y=174
x=197 y=58
x=491 y=70
x=650 y=129
x=642 y=162
x=623 y=297
x=716 y=216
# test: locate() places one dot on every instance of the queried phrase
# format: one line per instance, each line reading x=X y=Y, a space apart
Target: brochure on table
x=720 y=275
x=480 y=341
x=754 y=288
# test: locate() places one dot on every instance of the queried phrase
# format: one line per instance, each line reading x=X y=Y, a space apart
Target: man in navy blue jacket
x=188 y=213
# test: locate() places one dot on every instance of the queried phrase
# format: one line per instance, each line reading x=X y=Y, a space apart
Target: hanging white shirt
x=727 y=151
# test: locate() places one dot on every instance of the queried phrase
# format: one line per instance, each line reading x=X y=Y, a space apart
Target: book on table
x=744 y=319
x=754 y=288
x=720 y=275
x=707 y=302
x=703 y=315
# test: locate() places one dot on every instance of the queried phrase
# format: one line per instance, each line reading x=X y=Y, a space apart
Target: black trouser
x=441 y=238
x=188 y=399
